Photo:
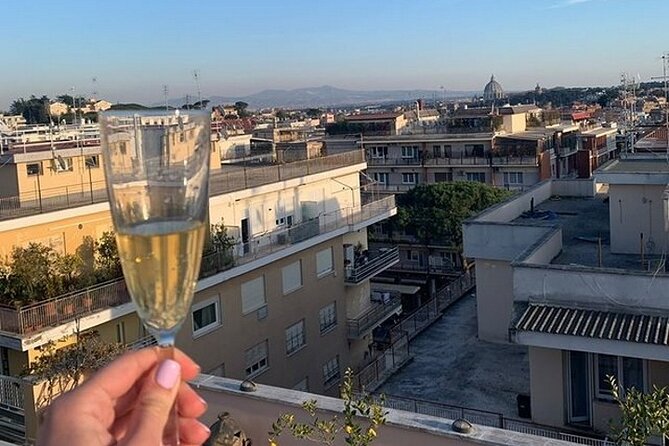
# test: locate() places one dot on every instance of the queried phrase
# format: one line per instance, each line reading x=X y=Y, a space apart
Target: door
x=245 y=234
x=579 y=388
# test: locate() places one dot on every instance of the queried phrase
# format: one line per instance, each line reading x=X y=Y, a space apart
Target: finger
x=191 y=405
x=121 y=374
x=154 y=404
x=192 y=431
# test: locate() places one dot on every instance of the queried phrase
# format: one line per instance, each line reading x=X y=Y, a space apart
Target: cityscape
x=481 y=253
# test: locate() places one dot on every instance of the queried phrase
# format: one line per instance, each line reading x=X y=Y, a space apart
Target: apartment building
x=290 y=305
x=580 y=280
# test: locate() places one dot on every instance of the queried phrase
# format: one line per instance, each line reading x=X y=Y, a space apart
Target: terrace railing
x=68 y=307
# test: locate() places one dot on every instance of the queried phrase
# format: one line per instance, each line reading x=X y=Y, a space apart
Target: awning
x=404 y=289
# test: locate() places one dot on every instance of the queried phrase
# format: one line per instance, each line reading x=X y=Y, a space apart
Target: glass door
x=579 y=388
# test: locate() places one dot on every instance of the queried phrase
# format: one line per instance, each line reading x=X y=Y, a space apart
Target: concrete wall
x=544 y=250
x=514 y=123
x=228 y=343
x=636 y=210
x=494 y=299
x=499 y=241
x=574 y=187
x=592 y=286
x=9 y=185
x=511 y=209
x=547 y=386
x=255 y=412
x=53 y=183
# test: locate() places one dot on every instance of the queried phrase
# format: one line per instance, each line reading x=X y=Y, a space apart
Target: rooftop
x=584 y=222
x=373 y=117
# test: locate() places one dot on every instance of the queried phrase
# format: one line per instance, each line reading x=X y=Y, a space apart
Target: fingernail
x=203 y=401
x=205 y=428
x=168 y=374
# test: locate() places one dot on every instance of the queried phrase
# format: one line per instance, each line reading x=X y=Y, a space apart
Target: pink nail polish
x=168 y=374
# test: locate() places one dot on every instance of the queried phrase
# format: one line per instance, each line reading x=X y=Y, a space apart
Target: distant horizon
x=127 y=50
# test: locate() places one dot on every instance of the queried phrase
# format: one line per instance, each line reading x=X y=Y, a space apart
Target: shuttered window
x=253 y=295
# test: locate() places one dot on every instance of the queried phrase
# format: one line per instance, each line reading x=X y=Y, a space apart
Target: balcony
x=380 y=311
x=53 y=312
x=221 y=182
x=366 y=266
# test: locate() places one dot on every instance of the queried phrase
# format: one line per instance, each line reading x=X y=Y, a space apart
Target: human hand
x=128 y=403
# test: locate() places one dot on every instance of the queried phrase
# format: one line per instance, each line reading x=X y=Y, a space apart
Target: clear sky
x=133 y=47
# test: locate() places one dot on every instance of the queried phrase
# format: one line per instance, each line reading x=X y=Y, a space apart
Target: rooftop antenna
x=94 y=92
x=665 y=62
x=196 y=76
x=165 y=94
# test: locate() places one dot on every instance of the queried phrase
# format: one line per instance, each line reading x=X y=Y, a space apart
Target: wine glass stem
x=171 y=432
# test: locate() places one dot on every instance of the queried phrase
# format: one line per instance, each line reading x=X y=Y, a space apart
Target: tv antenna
x=196 y=76
x=94 y=91
x=165 y=94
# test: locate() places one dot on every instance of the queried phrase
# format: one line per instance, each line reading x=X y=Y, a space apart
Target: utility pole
x=196 y=76
x=165 y=94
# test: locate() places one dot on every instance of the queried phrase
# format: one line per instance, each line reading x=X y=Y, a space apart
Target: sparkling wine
x=161 y=262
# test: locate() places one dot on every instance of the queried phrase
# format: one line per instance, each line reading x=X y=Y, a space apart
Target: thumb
x=154 y=405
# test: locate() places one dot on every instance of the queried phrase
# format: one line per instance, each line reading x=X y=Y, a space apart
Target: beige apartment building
x=291 y=304
x=580 y=280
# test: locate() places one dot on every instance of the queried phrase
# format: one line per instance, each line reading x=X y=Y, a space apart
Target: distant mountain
x=328 y=96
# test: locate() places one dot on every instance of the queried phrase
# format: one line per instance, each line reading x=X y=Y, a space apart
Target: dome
x=493 y=90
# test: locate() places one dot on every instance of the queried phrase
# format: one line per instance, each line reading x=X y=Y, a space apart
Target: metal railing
x=68 y=307
x=377 y=262
x=221 y=181
x=12 y=393
x=382 y=366
x=425 y=269
x=456 y=161
x=65 y=308
x=490 y=419
x=145 y=341
x=379 y=312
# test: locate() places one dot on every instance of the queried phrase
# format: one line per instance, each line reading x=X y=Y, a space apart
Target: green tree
x=241 y=107
x=34 y=109
x=435 y=212
x=326 y=431
x=107 y=261
x=642 y=414
x=314 y=112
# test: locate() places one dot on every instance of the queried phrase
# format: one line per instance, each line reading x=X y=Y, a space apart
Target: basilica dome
x=493 y=90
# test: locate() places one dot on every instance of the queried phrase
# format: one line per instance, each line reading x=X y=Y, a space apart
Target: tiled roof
x=598 y=324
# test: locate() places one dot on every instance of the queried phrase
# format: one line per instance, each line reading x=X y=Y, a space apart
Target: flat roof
x=584 y=221
x=404 y=289
x=642 y=166
x=600 y=131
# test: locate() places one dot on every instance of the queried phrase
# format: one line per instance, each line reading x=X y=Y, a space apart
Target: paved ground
x=453 y=367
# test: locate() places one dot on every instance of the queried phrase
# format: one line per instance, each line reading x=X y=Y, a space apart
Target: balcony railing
x=379 y=312
x=68 y=307
x=12 y=393
x=64 y=308
x=456 y=161
x=444 y=269
x=366 y=267
x=382 y=366
x=221 y=182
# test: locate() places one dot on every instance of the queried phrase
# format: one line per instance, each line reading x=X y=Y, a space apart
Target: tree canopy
x=435 y=212
x=34 y=109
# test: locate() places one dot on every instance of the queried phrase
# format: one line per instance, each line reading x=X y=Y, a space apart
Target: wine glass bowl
x=157 y=173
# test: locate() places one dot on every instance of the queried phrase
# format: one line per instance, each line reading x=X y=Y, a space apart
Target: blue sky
x=133 y=47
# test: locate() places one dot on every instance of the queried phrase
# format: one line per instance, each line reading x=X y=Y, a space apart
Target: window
x=34 y=169
x=61 y=164
x=253 y=295
x=476 y=176
x=381 y=177
x=474 y=150
x=442 y=177
x=436 y=151
x=513 y=178
x=410 y=178
x=285 y=221
x=629 y=372
x=292 y=277
x=328 y=317
x=331 y=372
x=324 y=262
x=295 y=337
x=410 y=152
x=206 y=316
x=256 y=359
x=120 y=333
x=379 y=152
x=93 y=162
x=413 y=256
x=122 y=148
x=302 y=386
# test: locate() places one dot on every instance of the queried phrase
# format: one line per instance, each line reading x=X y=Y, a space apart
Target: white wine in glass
x=157 y=172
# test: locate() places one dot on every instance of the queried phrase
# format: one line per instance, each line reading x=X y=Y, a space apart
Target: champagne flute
x=157 y=172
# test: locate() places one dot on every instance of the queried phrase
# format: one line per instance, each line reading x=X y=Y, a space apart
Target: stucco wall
x=546 y=386
x=494 y=299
